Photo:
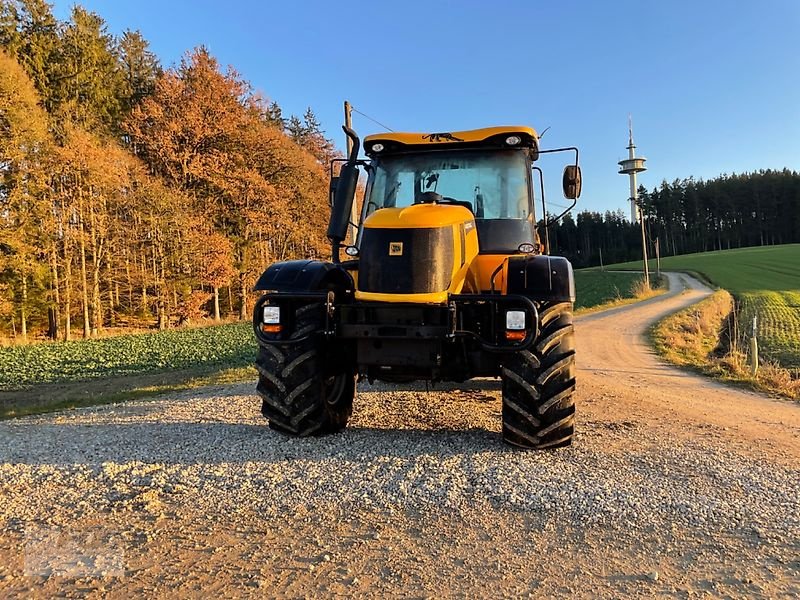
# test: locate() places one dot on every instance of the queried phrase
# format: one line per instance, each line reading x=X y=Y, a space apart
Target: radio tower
x=630 y=167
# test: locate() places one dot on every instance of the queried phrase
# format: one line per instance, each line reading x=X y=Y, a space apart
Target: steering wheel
x=429 y=198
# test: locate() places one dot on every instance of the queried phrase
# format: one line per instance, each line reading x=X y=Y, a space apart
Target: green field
x=222 y=346
x=594 y=288
x=765 y=282
x=775 y=268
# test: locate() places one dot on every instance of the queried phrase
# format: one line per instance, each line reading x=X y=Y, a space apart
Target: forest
x=687 y=216
x=133 y=195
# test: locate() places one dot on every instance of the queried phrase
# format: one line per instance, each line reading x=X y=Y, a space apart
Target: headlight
x=272 y=315
x=515 y=320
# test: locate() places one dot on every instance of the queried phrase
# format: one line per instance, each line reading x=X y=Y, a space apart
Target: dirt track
x=675 y=486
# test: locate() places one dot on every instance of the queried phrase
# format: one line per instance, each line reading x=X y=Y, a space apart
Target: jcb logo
x=395 y=248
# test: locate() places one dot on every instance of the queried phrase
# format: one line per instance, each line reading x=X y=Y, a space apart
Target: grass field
x=594 y=288
x=764 y=268
x=765 y=282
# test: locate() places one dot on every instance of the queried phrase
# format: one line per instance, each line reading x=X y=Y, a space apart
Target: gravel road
x=675 y=486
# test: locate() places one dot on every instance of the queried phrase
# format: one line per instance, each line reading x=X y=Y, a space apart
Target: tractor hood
x=420 y=215
x=419 y=253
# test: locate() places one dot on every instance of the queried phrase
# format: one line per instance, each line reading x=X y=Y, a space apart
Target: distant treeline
x=685 y=216
x=133 y=194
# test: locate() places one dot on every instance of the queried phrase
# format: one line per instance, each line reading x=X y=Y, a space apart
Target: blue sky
x=712 y=86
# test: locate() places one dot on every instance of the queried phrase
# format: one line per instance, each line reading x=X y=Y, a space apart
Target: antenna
x=630 y=167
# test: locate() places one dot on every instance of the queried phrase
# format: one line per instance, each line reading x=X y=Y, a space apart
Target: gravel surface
x=417 y=497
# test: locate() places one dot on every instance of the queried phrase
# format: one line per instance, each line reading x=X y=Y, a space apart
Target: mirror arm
x=544 y=211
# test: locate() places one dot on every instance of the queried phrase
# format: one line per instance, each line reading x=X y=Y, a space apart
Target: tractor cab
x=486 y=171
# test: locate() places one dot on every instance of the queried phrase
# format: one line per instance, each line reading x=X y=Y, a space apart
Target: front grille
x=405 y=261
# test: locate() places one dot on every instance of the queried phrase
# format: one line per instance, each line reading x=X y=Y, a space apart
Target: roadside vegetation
x=706 y=337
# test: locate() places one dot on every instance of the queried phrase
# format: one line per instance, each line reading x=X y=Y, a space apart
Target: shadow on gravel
x=485 y=384
x=67 y=444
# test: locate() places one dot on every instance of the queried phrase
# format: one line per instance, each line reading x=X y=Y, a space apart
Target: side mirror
x=343 y=201
x=332 y=189
x=571 y=182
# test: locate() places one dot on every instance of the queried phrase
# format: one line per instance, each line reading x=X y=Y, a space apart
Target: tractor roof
x=488 y=137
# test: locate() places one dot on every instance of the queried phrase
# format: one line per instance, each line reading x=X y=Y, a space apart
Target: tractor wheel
x=538 y=384
x=298 y=398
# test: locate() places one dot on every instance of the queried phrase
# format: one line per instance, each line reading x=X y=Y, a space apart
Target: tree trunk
x=243 y=297
x=23 y=313
x=67 y=286
x=129 y=283
x=84 y=280
x=53 y=312
x=216 y=303
x=145 y=308
x=97 y=259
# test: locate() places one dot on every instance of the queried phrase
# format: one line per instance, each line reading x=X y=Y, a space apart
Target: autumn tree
x=24 y=216
x=203 y=131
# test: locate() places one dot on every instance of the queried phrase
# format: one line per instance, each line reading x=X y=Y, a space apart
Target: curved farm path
x=675 y=486
x=625 y=380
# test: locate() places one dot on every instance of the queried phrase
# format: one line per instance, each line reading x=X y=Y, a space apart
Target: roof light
x=377 y=147
x=513 y=140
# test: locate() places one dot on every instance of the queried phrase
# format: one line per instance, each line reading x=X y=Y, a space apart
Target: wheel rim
x=334 y=386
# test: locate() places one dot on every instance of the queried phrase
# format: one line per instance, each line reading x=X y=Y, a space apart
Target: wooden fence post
x=754 y=348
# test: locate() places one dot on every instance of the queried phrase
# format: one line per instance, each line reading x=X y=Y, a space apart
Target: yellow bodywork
x=474 y=276
x=472 y=135
x=463 y=278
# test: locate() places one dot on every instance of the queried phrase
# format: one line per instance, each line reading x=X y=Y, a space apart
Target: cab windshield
x=493 y=184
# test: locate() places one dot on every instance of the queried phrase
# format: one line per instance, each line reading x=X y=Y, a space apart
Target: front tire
x=538 y=384
x=298 y=397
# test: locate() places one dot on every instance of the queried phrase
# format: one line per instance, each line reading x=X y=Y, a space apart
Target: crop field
x=778 y=323
x=765 y=282
x=226 y=346
x=600 y=287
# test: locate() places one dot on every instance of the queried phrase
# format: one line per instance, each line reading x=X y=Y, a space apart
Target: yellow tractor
x=446 y=279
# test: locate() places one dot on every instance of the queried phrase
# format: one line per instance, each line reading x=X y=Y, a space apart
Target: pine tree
x=140 y=68
x=87 y=83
